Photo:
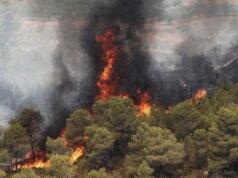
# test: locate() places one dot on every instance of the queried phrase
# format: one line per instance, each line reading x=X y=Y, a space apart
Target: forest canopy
x=194 y=138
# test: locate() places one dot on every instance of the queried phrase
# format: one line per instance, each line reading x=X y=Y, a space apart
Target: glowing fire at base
x=37 y=164
x=201 y=93
x=28 y=161
x=144 y=107
x=78 y=153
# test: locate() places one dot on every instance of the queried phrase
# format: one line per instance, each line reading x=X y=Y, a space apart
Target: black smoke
x=77 y=59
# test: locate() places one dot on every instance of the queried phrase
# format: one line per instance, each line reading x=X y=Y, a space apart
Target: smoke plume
x=169 y=48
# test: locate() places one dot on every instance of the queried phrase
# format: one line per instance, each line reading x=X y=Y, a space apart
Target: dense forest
x=194 y=138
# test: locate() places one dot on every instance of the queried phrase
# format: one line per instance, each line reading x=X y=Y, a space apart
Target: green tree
x=99 y=147
x=144 y=171
x=157 y=146
x=25 y=173
x=185 y=118
x=4 y=156
x=75 y=126
x=30 y=120
x=221 y=98
x=101 y=173
x=196 y=147
x=223 y=141
x=118 y=116
x=16 y=140
x=60 y=167
x=56 y=146
x=234 y=93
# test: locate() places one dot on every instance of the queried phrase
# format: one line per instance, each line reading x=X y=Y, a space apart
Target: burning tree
x=30 y=120
x=24 y=131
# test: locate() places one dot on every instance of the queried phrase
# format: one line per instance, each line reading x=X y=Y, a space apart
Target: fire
x=144 y=107
x=108 y=79
x=37 y=164
x=62 y=137
x=28 y=161
x=201 y=93
x=78 y=153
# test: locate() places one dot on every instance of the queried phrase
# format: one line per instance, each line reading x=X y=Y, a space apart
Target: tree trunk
x=33 y=150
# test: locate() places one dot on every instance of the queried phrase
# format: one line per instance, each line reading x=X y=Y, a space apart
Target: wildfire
x=108 y=79
x=78 y=153
x=37 y=164
x=144 y=107
x=28 y=161
x=62 y=137
x=201 y=93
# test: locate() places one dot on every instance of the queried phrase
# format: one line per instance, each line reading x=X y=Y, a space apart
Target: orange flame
x=107 y=83
x=62 y=137
x=201 y=93
x=78 y=153
x=28 y=161
x=37 y=164
x=144 y=107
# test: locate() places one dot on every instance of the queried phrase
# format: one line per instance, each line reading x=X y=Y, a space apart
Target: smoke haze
x=49 y=59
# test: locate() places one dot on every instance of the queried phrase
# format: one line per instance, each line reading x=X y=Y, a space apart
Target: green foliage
x=99 y=147
x=223 y=141
x=221 y=98
x=120 y=144
x=228 y=119
x=56 y=146
x=15 y=139
x=116 y=114
x=24 y=130
x=101 y=173
x=76 y=125
x=185 y=118
x=234 y=93
x=157 y=146
x=144 y=171
x=60 y=167
x=25 y=173
x=29 y=119
x=4 y=156
x=196 y=147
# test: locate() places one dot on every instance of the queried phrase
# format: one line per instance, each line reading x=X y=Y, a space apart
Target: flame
x=37 y=164
x=78 y=153
x=62 y=137
x=201 y=93
x=108 y=79
x=144 y=107
x=28 y=161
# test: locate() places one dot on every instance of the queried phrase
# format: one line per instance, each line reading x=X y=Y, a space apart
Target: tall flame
x=108 y=79
x=77 y=153
x=144 y=107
